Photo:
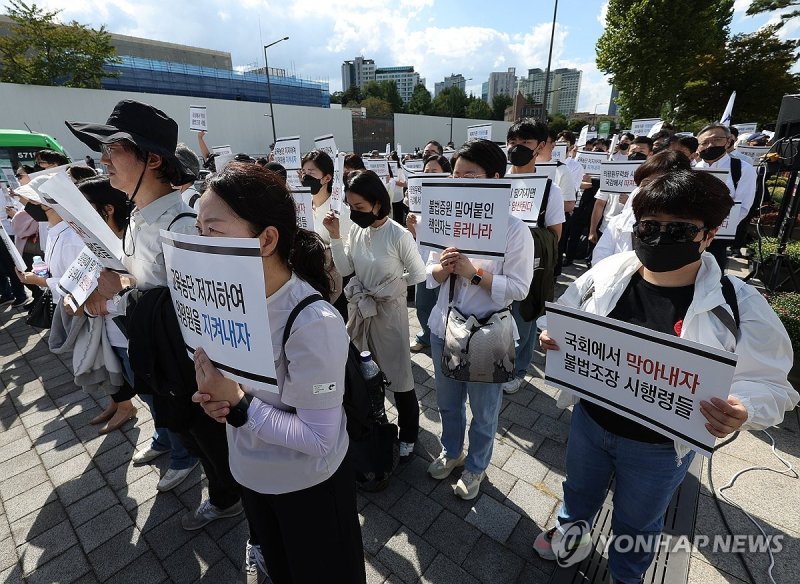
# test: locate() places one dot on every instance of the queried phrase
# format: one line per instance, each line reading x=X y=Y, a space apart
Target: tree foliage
x=41 y=51
x=421 y=101
x=351 y=96
x=477 y=109
x=499 y=104
x=760 y=6
x=451 y=101
x=377 y=107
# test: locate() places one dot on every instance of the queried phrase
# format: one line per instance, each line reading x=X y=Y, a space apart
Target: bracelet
x=237 y=417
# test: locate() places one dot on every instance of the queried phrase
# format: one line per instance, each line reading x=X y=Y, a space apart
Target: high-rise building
x=357 y=72
x=565 y=86
x=502 y=83
x=452 y=81
x=612 y=102
x=405 y=78
x=485 y=91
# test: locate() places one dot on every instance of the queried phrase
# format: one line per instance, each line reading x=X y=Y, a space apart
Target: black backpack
x=363 y=400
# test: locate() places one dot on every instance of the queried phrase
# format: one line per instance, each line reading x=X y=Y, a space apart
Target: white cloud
x=601 y=17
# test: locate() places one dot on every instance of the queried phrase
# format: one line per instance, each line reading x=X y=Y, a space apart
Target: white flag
x=726 y=117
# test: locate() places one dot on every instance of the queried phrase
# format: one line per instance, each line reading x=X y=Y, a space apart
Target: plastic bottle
x=372 y=375
x=40 y=268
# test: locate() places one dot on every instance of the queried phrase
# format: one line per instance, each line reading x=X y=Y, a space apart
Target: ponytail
x=307 y=260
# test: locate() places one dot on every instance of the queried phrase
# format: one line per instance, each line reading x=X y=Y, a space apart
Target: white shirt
x=319 y=214
x=316 y=352
x=63 y=246
x=577 y=170
x=187 y=196
x=612 y=209
x=566 y=183
x=511 y=280
x=745 y=192
x=554 y=213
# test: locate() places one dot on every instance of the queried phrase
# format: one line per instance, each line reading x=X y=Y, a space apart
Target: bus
x=20 y=147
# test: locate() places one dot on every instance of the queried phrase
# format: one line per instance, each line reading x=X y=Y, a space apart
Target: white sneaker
x=469 y=484
x=406 y=450
x=443 y=466
x=206 y=513
x=146 y=455
x=173 y=477
x=512 y=386
x=254 y=570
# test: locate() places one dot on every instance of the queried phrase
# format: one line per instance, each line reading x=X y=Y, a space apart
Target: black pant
x=206 y=440
x=407 y=415
x=7 y=271
x=312 y=535
x=341 y=303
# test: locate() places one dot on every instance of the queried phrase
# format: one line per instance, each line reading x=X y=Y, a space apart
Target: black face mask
x=712 y=153
x=362 y=218
x=313 y=183
x=36 y=212
x=665 y=254
x=637 y=156
x=519 y=155
x=623 y=146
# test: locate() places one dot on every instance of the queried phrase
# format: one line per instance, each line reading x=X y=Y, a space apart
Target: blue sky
x=437 y=37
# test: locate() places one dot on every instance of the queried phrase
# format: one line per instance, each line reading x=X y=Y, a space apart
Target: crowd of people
x=282 y=458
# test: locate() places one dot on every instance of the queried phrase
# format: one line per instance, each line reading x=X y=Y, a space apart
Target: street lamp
x=549 y=61
x=451 y=109
x=269 y=85
x=595 y=114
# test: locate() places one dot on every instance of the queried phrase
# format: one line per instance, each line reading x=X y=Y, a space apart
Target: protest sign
x=326 y=144
x=287 y=152
x=582 y=137
x=198 y=120
x=744 y=129
x=414 y=166
x=394 y=168
x=10 y=177
x=221 y=160
x=304 y=207
x=479 y=132
x=652 y=378
x=617 y=177
x=641 y=127
x=754 y=153
x=414 y=191
x=61 y=193
x=217 y=287
x=470 y=214
x=728 y=228
x=80 y=279
x=527 y=194
x=591 y=161
x=388 y=149
x=379 y=166
x=19 y=263
x=559 y=152
x=547 y=169
x=337 y=188
x=221 y=150
x=604 y=128
x=293 y=181
x=655 y=129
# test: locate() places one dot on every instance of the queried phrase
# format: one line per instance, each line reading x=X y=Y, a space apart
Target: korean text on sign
x=617 y=177
x=527 y=195
x=654 y=379
x=591 y=161
x=303 y=206
x=198 y=119
x=287 y=152
x=80 y=279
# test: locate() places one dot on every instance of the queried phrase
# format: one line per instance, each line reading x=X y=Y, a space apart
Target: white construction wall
x=411 y=130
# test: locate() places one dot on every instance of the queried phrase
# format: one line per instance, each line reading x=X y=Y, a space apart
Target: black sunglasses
x=678 y=231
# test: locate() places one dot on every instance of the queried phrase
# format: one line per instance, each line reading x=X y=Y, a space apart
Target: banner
x=287 y=152
x=416 y=165
x=10 y=177
x=725 y=120
x=591 y=161
x=582 y=137
x=337 y=188
x=547 y=169
x=217 y=287
x=617 y=177
x=61 y=193
x=559 y=151
x=379 y=166
x=304 y=207
x=641 y=127
x=221 y=160
x=19 y=263
x=479 y=132
x=652 y=378
x=603 y=128
x=80 y=279
x=728 y=228
x=470 y=214
x=198 y=120
x=527 y=194
x=221 y=150
x=414 y=191
x=754 y=153
x=326 y=144
x=745 y=129
x=655 y=129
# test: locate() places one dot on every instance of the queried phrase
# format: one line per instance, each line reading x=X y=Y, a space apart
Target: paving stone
x=415 y=510
x=18 y=464
x=523 y=439
x=8 y=554
x=43 y=411
x=90 y=506
x=545 y=404
x=532 y=502
x=81 y=486
x=233 y=543
x=377 y=527
x=553 y=454
x=107 y=524
x=552 y=428
x=15 y=448
x=46 y=546
x=452 y=536
x=141 y=490
x=113 y=458
x=12 y=574
x=376 y=572
x=532 y=575
x=12 y=435
x=520 y=415
x=28 y=502
x=407 y=555
x=95 y=443
x=168 y=536
x=190 y=561
x=492 y=563
x=525 y=467
x=501 y=452
x=126 y=474
x=415 y=473
x=34 y=524
x=55 y=439
x=444 y=571
x=145 y=570
x=67 y=451
x=67 y=567
x=701 y=571
x=70 y=469
x=116 y=553
x=20 y=483
x=222 y=571
x=493 y=518
x=446 y=497
x=41 y=431
x=155 y=510
x=497 y=483
x=521 y=542
x=389 y=496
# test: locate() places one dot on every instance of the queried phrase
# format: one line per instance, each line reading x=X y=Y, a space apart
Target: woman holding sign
x=384 y=259
x=667 y=284
x=287 y=449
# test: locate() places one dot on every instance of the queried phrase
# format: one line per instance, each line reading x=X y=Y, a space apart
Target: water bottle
x=372 y=375
x=40 y=268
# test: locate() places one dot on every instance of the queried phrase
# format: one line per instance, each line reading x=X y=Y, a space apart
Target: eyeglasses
x=678 y=231
x=108 y=149
x=469 y=175
x=712 y=141
x=21 y=174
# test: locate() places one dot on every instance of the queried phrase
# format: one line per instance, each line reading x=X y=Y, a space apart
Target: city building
x=405 y=78
x=502 y=83
x=485 y=91
x=612 y=102
x=521 y=108
x=357 y=72
x=564 y=89
x=452 y=81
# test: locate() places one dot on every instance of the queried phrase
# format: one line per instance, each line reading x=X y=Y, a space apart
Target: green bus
x=20 y=147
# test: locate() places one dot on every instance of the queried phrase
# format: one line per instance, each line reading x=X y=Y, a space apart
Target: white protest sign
x=221 y=160
x=293 y=181
x=379 y=166
x=728 y=228
x=287 y=152
x=388 y=149
x=748 y=128
x=326 y=144
x=80 y=279
x=617 y=177
x=652 y=378
x=527 y=195
x=470 y=214
x=613 y=147
x=591 y=161
x=10 y=177
x=754 y=153
x=582 y=137
x=559 y=152
x=221 y=150
x=394 y=168
x=414 y=166
x=591 y=136
x=303 y=206
x=655 y=129
x=337 y=188
x=217 y=287
x=479 y=132
x=62 y=194
x=547 y=169
x=641 y=127
x=19 y=263
x=414 y=191
x=198 y=120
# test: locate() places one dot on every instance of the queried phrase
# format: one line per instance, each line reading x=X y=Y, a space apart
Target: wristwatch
x=477 y=278
x=237 y=417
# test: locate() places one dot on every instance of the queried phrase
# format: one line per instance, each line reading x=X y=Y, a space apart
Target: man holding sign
x=669 y=286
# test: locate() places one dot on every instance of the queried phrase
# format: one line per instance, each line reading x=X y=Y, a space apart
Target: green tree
x=557 y=122
x=477 y=109
x=336 y=96
x=377 y=107
x=420 y=102
x=759 y=6
x=451 y=101
x=39 y=50
x=352 y=96
x=499 y=104
x=392 y=96
x=651 y=48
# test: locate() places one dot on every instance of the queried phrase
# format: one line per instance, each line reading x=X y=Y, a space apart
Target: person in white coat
x=670 y=285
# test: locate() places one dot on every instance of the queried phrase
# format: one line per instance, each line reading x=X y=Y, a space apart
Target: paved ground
x=73 y=508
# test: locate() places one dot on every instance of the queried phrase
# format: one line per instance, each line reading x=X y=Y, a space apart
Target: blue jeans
x=485 y=400
x=424 y=301
x=163 y=438
x=526 y=343
x=646 y=478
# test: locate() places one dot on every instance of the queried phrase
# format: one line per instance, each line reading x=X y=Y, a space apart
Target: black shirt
x=655 y=307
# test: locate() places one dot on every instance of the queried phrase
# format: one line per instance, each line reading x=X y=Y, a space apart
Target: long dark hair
x=99 y=192
x=262 y=199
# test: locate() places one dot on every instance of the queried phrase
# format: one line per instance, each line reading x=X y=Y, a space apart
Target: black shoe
x=20 y=302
